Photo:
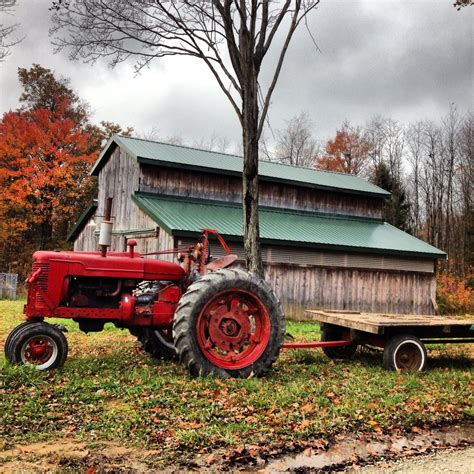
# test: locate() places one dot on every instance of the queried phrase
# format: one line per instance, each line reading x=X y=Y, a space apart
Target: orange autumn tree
x=348 y=152
x=44 y=163
x=47 y=148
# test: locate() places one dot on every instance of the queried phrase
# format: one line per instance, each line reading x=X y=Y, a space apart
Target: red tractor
x=215 y=318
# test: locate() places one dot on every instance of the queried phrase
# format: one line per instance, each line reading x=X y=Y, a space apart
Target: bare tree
x=466 y=187
x=414 y=139
x=375 y=135
x=296 y=145
x=433 y=184
x=214 y=142
x=232 y=37
x=450 y=129
x=6 y=30
x=394 y=143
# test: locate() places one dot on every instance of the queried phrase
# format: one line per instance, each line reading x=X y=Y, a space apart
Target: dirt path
x=452 y=461
x=353 y=452
x=68 y=454
x=448 y=449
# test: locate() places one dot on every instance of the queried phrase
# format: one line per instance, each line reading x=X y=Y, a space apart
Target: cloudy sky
x=407 y=59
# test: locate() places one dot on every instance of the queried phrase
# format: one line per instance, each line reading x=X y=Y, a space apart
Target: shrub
x=455 y=295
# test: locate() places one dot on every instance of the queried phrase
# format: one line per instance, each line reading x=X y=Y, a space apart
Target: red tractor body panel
x=115 y=265
x=54 y=274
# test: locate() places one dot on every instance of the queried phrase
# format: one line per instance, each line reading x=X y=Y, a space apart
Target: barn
x=324 y=241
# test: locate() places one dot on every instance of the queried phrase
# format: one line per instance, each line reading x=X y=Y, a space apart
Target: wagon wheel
x=405 y=353
x=39 y=345
x=229 y=323
x=157 y=342
x=334 y=333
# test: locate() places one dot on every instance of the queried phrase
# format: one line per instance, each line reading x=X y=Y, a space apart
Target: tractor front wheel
x=39 y=345
x=8 y=340
x=230 y=324
x=157 y=342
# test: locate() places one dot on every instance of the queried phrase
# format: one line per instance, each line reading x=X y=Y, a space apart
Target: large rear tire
x=230 y=324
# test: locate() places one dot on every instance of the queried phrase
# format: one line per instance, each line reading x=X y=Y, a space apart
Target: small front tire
x=8 y=340
x=39 y=345
x=405 y=353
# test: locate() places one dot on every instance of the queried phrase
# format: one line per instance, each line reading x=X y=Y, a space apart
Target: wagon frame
x=402 y=336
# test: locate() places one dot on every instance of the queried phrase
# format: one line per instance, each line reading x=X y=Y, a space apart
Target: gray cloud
x=405 y=59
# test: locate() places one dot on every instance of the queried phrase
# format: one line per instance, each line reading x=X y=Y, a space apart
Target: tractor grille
x=42 y=280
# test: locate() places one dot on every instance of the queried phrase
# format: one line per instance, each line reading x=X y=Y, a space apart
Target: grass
x=109 y=390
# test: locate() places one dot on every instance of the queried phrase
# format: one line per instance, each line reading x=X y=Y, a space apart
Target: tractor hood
x=114 y=265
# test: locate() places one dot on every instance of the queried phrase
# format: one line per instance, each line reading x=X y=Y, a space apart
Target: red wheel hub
x=233 y=329
x=38 y=350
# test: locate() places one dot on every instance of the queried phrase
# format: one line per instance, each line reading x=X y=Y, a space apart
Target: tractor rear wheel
x=157 y=342
x=39 y=345
x=230 y=324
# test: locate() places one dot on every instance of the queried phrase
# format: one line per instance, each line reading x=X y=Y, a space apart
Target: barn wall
x=325 y=258
x=149 y=237
x=119 y=179
x=86 y=240
x=308 y=278
x=229 y=188
x=301 y=288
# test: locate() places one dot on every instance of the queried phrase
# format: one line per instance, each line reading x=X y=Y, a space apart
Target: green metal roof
x=181 y=216
x=156 y=153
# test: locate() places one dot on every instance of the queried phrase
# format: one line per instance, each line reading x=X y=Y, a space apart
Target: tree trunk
x=250 y=178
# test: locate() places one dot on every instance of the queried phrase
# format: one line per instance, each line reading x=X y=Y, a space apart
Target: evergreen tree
x=397 y=210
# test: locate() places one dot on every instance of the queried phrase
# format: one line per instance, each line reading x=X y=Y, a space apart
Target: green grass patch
x=109 y=390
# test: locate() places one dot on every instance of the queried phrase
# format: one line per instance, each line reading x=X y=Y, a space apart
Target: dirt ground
x=452 y=461
x=446 y=449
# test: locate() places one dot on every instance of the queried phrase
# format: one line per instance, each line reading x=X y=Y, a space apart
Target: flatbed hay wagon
x=402 y=336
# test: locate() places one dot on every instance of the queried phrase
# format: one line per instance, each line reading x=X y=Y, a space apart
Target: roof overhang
x=82 y=221
x=184 y=217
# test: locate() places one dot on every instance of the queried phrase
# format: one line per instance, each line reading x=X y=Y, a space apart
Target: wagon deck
x=381 y=323
x=402 y=336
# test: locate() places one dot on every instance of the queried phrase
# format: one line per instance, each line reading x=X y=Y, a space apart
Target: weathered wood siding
x=329 y=259
x=301 y=288
x=229 y=188
x=119 y=179
x=86 y=240
x=312 y=279
x=153 y=240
